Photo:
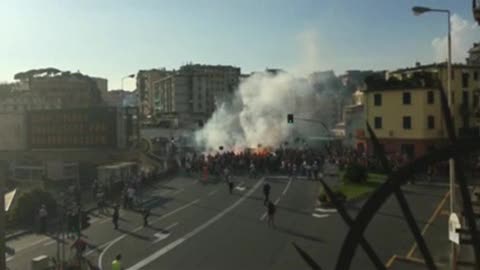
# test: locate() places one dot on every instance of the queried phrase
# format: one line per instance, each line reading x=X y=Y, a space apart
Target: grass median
x=353 y=190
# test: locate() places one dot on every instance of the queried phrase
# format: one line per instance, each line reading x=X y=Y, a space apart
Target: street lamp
x=128 y=76
x=418 y=10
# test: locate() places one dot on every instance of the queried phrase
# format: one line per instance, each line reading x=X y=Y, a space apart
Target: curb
x=17 y=234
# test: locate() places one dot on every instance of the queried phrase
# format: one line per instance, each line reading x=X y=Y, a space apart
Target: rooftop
x=433 y=66
x=419 y=80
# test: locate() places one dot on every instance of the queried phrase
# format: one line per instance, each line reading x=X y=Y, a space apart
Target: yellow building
x=404 y=108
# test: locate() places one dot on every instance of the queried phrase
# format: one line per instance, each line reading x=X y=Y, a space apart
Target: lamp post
x=128 y=76
x=418 y=10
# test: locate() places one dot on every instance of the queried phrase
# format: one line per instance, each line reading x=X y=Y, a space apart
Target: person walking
x=80 y=246
x=146 y=215
x=116 y=264
x=230 y=186
x=271 y=209
x=266 y=193
x=43 y=215
x=115 y=216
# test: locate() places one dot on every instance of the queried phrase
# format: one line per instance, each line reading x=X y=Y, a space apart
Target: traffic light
x=290 y=118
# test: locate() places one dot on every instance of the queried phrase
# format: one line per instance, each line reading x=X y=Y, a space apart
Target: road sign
x=8 y=197
x=453 y=225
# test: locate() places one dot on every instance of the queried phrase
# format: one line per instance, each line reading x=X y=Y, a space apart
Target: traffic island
x=349 y=191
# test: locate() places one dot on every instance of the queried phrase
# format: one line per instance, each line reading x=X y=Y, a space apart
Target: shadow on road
x=298 y=234
x=136 y=235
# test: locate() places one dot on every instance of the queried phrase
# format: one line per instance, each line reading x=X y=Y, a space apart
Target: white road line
x=97 y=248
x=111 y=243
x=33 y=244
x=286 y=188
x=171 y=226
x=9 y=258
x=200 y=228
x=323 y=210
x=178 y=191
x=212 y=192
x=278 y=199
x=104 y=221
x=49 y=243
x=320 y=216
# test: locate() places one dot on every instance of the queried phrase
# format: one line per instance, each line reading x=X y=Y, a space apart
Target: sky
x=114 y=38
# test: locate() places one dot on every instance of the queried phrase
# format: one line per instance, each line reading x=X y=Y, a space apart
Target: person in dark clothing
x=146 y=215
x=266 y=193
x=271 y=209
x=115 y=216
x=230 y=186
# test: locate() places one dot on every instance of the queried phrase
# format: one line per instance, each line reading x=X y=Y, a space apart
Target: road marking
x=390 y=261
x=104 y=221
x=286 y=188
x=49 y=243
x=429 y=222
x=160 y=236
x=278 y=199
x=212 y=192
x=178 y=191
x=320 y=216
x=33 y=244
x=240 y=188
x=97 y=248
x=111 y=243
x=323 y=210
x=9 y=258
x=202 y=227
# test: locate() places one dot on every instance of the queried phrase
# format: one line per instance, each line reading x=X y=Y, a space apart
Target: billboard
x=72 y=128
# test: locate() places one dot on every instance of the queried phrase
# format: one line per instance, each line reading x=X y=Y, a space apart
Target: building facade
x=58 y=91
x=404 y=108
x=145 y=89
x=190 y=95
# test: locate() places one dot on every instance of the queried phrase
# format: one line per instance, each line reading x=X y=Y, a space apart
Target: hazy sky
x=113 y=38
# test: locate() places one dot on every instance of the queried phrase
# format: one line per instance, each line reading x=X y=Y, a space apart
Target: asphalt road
x=201 y=226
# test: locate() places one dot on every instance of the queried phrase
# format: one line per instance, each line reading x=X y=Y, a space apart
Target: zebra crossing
x=320 y=212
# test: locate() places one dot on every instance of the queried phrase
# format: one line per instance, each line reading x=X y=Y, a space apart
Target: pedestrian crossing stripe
x=323 y=210
x=319 y=215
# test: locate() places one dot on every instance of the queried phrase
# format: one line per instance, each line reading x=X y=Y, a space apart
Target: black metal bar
x=417 y=234
x=461 y=179
x=380 y=195
x=346 y=217
x=307 y=258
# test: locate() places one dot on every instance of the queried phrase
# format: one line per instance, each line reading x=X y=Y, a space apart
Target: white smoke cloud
x=258 y=114
x=464 y=34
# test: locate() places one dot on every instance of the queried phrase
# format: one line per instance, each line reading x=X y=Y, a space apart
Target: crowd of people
x=254 y=162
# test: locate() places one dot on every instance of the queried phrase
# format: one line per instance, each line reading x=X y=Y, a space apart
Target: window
x=475 y=100
x=475 y=76
x=377 y=98
x=430 y=97
x=407 y=98
x=452 y=74
x=378 y=122
x=431 y=122
x=452 y=95
x=407 y=122
x=465 y=98
x=465 y=77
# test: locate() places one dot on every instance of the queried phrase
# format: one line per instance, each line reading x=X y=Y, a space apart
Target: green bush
x=28 y=204
x=323 y=197
x=355 y=173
